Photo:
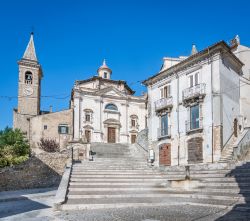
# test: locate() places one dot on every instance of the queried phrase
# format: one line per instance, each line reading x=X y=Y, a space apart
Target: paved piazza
x=26 y=206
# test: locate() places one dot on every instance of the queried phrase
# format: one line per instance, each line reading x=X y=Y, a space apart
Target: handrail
x=227 y=141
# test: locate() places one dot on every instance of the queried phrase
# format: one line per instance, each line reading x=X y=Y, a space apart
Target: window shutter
x=191 y=81
x=162 y=93
x=169 y=91
x=196 y=78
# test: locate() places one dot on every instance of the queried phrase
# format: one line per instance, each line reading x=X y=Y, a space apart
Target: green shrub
x=14 y=148
x=3 y=162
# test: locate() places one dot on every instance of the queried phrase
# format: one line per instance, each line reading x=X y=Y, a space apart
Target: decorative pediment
x=111 y=92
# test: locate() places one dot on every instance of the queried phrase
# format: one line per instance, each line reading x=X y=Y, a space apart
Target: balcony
x=194 y=126
x=164 y=132
x=197 y=91
x=164 y=103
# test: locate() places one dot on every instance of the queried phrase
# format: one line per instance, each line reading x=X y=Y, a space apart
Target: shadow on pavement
x=240 y=211
x=22 y=205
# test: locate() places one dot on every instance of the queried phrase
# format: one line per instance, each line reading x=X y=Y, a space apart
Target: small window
x=45 y=127
x=194 y=79
x=111 y=107
x=63 y=129
x=105 y=75
x=165 y=92
x=87 y=117
x=28 y=77
x=133 y=122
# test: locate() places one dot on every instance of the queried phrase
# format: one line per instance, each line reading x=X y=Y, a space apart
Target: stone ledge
x=62 y=189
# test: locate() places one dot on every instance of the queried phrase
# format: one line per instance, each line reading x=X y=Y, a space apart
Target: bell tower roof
x=194 y=49
x=104 y=71
x=30 y=52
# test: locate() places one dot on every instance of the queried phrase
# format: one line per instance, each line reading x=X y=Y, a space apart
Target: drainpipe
x=178 y=116
x=212 y=106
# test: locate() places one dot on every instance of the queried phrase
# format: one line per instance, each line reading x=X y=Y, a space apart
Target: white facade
x=243 y=53
x=105 y=110
x=201 y=100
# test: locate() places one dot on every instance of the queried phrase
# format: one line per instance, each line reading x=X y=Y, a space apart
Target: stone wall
x=46 y=126
x=42 y=170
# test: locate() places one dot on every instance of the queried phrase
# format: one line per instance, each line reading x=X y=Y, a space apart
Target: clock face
x=28 y=91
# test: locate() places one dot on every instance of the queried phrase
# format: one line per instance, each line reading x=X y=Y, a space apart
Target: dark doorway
x=88 y=135
x=235 y=127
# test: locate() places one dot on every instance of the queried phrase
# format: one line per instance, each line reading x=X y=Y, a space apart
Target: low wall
x=242 y=151
x=41 y=170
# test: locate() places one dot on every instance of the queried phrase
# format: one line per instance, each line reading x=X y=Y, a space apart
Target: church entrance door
x=111 y=135
x=88 y=135
x=133 y=138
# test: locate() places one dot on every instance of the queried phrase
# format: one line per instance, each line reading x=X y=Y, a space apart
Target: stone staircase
x=227 y=152
x=119 y=178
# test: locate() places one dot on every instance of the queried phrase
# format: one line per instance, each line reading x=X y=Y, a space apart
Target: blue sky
x=72 y=37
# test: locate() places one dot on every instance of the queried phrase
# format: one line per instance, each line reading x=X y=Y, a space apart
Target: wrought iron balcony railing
x=164 y=132
x=163 y=103
x=195 y=91
x=194 y=125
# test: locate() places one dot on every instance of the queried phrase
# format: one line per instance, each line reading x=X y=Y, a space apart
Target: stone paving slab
x=167 y=213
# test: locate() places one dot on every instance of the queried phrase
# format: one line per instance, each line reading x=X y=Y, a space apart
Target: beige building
x=28 y=117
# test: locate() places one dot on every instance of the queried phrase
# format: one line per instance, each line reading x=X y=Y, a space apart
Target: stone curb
x=61 y=193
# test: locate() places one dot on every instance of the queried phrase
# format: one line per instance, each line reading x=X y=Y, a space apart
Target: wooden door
x=88 y=135
x=165 y=155
x=111 y=135
x=133 y=138
x=195 y=150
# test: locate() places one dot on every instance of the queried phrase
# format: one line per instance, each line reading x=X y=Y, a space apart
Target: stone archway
x=112 y=131
x=165 y=154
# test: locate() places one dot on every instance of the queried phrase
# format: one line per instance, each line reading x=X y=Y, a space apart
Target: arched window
x=111 y=107
x=105 y=75
x=28 y=77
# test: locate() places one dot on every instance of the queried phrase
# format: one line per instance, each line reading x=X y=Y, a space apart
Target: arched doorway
x=165 y=154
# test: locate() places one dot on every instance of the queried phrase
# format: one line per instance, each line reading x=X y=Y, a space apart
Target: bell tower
x=29 y=88
x=104 y=71
x=29 y=84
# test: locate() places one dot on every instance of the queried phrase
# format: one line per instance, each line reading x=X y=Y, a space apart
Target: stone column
x=76 y=118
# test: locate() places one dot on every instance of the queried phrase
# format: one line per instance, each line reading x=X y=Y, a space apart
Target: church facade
x=101 y=109
x=106 y=110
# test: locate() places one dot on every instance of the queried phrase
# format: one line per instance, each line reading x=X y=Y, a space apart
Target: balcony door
x=194 y=117
x=164 y=125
